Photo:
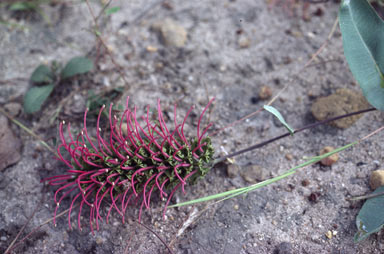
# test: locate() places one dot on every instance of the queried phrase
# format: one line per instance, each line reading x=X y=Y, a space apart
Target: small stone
x=243 y=41
x=305 y=182
x=289 y=156
x=283 y=248
x=99 y=240
x=3 y=238
x=236 y=207
x=151 y=49
x=265 y=93
x=13 y=108
x=171 y=33
x=330 y=159
x=10 y=145
x=343 y=101
x=376 y=179
x=252 y=174
x=233 y=170
x=329 y=234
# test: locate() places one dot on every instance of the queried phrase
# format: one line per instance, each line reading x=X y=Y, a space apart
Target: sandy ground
x=231 y=50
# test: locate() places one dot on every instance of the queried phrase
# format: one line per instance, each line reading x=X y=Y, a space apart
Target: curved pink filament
x=134 y=174
x=178 y=166
x=201 y=116
x=182 y=125
x=69 y=211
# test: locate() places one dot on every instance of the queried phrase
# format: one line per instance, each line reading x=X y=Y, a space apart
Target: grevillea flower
x=122 y=166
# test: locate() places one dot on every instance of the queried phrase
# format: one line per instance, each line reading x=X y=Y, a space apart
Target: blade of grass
x=236 y=192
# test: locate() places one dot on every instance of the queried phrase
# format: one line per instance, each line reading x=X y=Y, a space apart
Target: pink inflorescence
x=129 y=164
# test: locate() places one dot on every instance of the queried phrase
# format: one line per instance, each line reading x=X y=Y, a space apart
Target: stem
x=29 y=131
x=309 y=126
x=153 y=232
x=368 y=196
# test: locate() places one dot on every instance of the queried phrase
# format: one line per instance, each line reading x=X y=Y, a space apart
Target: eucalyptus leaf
x=371 y=216
x=42 y=74
x=276 y=113
x=35 y=97
x=363 y=36
x=77 y=65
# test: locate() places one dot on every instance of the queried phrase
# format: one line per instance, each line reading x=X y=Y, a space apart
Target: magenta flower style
x=127 y=162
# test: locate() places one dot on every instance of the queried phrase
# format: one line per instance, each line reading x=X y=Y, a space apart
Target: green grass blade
x=236 y=192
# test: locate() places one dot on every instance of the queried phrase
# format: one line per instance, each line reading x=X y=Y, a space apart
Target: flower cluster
x=128 y=162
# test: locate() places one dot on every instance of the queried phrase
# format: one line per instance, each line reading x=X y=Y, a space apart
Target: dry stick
x=309 y=126
x=103 y=9
x=36 y=228
x=322 y=47
x=368 y=196
x=25 y=225
x=128 y=242
x=146 y=11
x=99 y=36
x=153 y=232
x=28 y=131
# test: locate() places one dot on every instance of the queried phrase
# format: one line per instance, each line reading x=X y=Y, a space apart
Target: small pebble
x=236 y=207
x=232 y=170
x=151 y=49
x=13 y=108
x=305 y=182
x=289 y=156
x=99 y=240
x=3 y=238
x=243 y=41
x=265 y=93
x=329 y=234
x=376 y=179
x=253 y=174
x=171 y=32
x=330 y=159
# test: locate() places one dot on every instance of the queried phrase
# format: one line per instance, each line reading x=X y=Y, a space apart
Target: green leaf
x=371 y=216
x=22 y=6
x=77 y=65
x=112 y=10
x=42 y=74
x=35 y=97
x=363 y=36
x=276 y=113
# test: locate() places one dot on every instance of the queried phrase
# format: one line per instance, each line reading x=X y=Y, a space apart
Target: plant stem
x=309 y=126
x=368 y=196
x=29 y=131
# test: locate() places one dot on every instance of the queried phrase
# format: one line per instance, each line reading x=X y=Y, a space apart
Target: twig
x=145 y=11
x=368 y=196
x=98 y=34
x=103 y=9
x=37 y=228
x=25 y=225
x=30 y=132
x=309 y=126
x=153 y=232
